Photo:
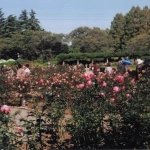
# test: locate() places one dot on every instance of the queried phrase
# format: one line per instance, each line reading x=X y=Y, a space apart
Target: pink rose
x=112 y=100
x=104 y=84
x=47 y=81
x=19 y=130
x=116 y=89
x=98 y=80
x=92 y=75
x=86 y=76
x=58 y=95
x=128 y=95
x=102 y=94
x=41 y=81
x=120 y=79
x=123 y=87
x=89 y=83
x=80 y=86
x=5 y=109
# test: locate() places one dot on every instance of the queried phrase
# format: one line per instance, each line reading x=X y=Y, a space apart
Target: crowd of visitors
x=121 y=68
x=19 y=71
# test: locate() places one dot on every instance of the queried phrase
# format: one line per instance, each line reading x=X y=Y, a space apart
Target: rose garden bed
x=74 y=110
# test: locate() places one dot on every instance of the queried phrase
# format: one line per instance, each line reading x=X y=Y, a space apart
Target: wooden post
x=77 y=62
x=107 y=60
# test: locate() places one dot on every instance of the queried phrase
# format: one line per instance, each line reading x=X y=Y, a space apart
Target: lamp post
x=18 y=55
x=48 y=64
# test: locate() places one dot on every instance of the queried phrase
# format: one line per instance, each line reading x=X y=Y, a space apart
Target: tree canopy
x=128 y=33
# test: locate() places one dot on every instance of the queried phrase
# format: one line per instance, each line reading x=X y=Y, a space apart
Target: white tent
x=2 y=61
x=10 y=60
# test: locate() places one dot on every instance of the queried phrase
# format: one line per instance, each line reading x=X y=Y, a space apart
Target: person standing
x=96 y=69
x=108 y=69
x=121 y=68
x=139 y=68
x=10 y=72
x=4 y=69
x=20 y=71
x=27 y=70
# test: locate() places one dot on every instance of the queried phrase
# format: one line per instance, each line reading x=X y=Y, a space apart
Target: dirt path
x=23 y=114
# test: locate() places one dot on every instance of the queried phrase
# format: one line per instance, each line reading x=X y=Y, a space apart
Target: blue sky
x=63 y=16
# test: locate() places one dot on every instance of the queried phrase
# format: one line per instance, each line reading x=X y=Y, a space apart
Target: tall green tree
x=23 y=20
x=139 y=43
x=145 y=22
x=89 y=40
x=2 y=22
x=33 y=23
x=117 y=32
x=11 y=25
x=133 y=21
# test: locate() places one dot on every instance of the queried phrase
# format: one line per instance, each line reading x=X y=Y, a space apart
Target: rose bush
x=8 y=138
x=106 y=111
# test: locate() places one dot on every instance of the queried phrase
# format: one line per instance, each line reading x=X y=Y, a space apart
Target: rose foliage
x=104 y=111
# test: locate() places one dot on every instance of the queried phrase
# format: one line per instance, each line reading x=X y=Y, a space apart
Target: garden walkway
x=23 y=114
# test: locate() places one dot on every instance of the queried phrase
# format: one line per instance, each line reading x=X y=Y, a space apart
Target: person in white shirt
x=108 y=69
x=27 y=70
